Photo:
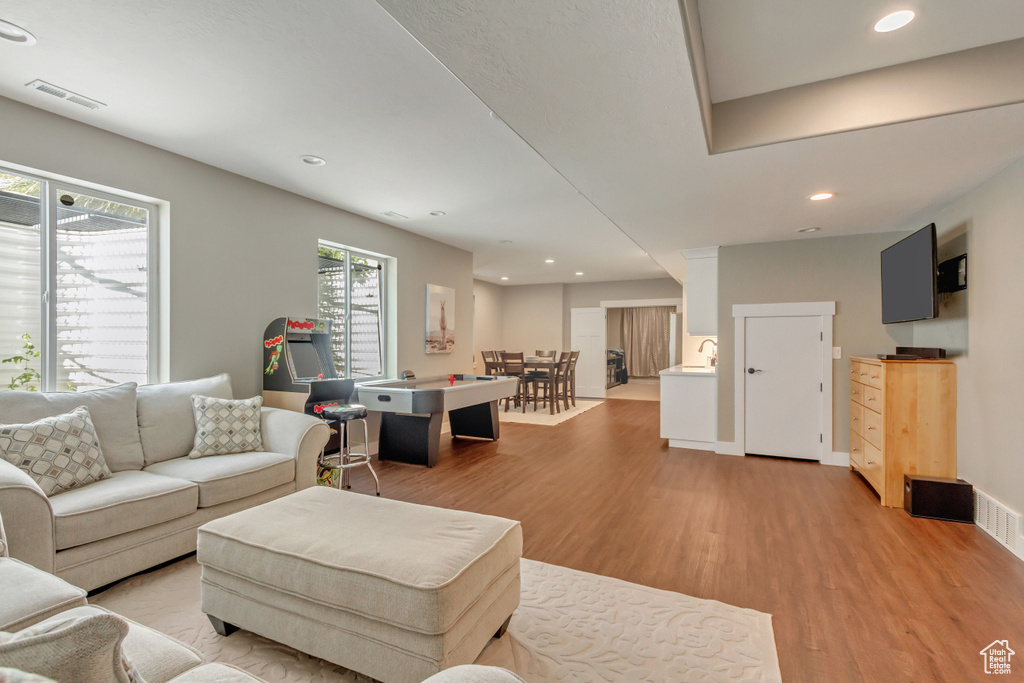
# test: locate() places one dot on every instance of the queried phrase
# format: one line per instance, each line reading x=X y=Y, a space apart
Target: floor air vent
x=64 y=94
x=998 y=520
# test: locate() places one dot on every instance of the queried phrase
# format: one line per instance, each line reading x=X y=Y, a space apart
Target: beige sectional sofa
x=149 y=510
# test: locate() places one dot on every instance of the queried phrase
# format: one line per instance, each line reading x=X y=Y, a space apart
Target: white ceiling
x=602 y=158
x=755 y=47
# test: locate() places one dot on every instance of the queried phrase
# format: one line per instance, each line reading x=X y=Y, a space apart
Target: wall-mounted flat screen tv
x=909 y=272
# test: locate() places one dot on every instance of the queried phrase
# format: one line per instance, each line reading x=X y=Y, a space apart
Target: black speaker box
x=951 y=500
x=922 y=351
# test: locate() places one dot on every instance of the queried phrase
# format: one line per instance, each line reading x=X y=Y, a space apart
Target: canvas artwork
x=440 y=319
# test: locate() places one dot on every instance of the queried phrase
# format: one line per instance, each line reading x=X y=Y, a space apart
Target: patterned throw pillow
x=85 y=647
x=226 y=426
x=60 y=453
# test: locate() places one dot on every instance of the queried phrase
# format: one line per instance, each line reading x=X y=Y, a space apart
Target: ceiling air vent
x=395 y=214
x=64 y=94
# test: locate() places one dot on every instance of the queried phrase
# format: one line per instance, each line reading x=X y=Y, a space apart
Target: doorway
x=784 y=379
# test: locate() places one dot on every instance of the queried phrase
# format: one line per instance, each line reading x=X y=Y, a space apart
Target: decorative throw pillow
x=60 y=452
x=85 y=649
x=226 y=426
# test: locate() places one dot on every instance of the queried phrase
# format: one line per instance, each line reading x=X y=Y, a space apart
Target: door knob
x=751 y=371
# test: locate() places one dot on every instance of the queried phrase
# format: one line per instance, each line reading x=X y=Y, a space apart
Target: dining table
x=549 y=364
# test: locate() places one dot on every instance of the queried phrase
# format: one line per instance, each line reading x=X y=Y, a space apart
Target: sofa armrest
x=301 y=436
x=28 y=518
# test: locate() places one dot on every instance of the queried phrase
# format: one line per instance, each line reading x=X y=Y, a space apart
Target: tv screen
x=305 y=362
x=909 y=278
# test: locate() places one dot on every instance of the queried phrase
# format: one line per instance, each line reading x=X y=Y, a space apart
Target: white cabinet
x=702 y=292
x=689 y=407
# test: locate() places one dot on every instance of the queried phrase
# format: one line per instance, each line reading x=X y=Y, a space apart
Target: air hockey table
x=412 y=412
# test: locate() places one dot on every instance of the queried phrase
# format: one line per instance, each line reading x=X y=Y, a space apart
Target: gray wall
x=237 y=253
x=488 y=308
x=989 y=222
x=591 y=294
x=840 y=269
x=532 y=318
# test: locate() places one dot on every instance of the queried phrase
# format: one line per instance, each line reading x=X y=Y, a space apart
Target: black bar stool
x=345 y=460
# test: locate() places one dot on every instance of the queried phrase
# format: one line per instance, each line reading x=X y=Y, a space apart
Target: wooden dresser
x=902 y=421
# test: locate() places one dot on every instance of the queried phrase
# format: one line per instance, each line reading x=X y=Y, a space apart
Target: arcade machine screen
x=305 y=361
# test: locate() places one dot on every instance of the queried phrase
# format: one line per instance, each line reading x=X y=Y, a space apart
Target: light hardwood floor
x=858 y=592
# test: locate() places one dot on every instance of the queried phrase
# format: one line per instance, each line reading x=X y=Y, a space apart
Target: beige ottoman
x=392 y=590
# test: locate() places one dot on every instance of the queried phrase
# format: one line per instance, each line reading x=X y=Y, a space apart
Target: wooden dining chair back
x=514 y=364
x=571 y=378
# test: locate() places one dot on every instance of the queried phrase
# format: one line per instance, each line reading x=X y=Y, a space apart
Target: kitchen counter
x=689 y=407
x=688 y=370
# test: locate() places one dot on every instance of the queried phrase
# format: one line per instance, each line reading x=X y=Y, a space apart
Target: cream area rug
x=542 y=416
x=570 y=626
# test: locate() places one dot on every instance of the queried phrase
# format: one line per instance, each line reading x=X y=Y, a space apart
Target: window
x=350 y=287
x=76 y=301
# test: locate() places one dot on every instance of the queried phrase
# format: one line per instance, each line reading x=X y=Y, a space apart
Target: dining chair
x=574 y=356
x=515 y=366
x=554 y=384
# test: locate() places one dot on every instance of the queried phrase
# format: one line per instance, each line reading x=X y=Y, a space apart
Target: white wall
x=990 y=382
x=488 y=309
x=238 y=253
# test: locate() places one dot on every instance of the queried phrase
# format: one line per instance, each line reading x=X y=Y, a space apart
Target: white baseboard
x=727 y=448
x=696 y=445
x=838 y=459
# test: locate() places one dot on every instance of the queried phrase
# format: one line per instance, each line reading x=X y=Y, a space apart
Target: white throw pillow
x=84 y=649
x=225 y=426
x=59 y=453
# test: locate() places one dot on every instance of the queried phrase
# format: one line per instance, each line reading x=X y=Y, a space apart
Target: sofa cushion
x=31 y=595
x=166 y=425
x=222 y=478
x=156 y=657
x=125 y=502
x=472 y=673
x=85 y=648
x=225 y=426
x=60 y=453
x=113 y=412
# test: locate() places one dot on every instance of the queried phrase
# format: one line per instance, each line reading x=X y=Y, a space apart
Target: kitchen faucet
x=714 y=350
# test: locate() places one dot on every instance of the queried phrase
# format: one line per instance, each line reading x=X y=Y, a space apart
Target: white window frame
x=385 y=262
x=48 y=270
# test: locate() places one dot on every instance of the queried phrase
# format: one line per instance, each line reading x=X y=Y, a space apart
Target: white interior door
x=587 y=333
x=783 y=386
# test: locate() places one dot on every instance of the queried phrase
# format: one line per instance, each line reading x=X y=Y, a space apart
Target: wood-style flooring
x=858 y=592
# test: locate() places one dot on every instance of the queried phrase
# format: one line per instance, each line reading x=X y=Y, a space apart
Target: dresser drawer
x=872 y=467
x=873 y=375
x=856 y=450
x=856 y=417
x=872 y=398
x=872 y=428
x=858 y=372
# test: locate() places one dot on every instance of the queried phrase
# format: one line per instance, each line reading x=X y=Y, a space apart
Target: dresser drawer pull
x=871 y=462
x=855 y=419
x=871 y=398
x=855 y=450
x=874 y=376
x=853 y=391
x=870 y=428
x=863 y=373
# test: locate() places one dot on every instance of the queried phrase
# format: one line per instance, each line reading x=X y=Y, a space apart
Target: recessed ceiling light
x=313 y=160
x=437 y=213
x=579 y=273
x=16 y=34
x=505 y=243
x=550 y=260
x=893 y=21
x=505 y=278
x=820 y=196
x=808 y=229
